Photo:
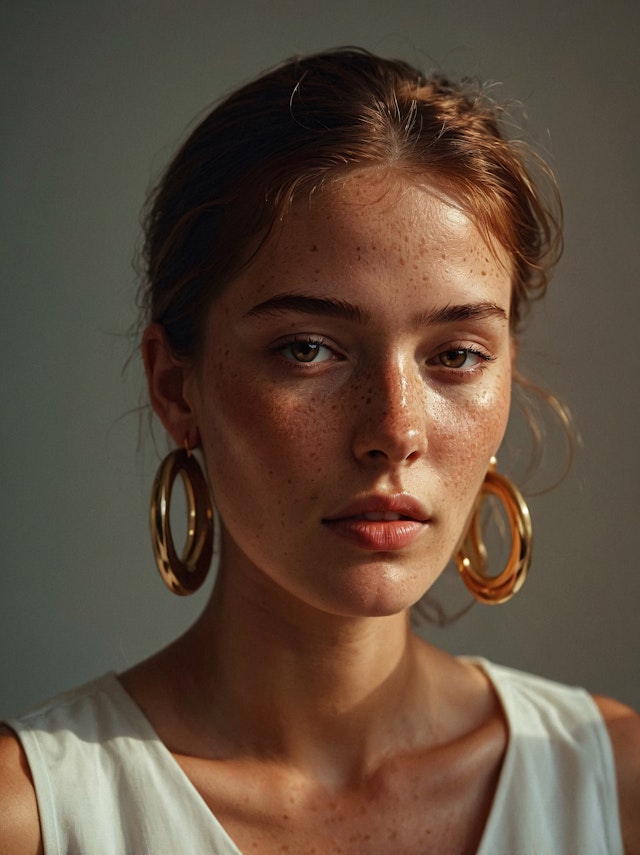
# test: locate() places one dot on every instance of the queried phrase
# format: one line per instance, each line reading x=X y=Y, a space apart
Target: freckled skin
x=288 y=445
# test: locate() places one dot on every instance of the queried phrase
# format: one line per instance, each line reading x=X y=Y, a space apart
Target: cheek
x=258 y=435
x=465 y=435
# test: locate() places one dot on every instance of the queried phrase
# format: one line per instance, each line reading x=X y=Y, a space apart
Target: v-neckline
x=169 y=762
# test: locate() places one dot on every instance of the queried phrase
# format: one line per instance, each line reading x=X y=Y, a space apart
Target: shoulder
x=19 y=822
x=623 y=725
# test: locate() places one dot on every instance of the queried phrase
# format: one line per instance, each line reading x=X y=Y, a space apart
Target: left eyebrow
x=463 y=312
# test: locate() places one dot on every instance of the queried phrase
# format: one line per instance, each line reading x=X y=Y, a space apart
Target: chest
x=405 y=810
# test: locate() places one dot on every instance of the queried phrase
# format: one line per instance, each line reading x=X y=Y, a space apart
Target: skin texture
x=375 y=413
x=335 y=370
x=378 y=412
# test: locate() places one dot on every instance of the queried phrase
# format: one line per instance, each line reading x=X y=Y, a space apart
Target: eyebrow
x=302 y=304
x=463 y=312
x=328 y=306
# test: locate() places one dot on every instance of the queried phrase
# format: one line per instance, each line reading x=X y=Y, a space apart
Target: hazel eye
x=306 y=350
x=459 y=358
x=454 y=358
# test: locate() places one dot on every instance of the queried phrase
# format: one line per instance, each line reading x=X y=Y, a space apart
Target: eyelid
x=281 y=344
x=483 y=357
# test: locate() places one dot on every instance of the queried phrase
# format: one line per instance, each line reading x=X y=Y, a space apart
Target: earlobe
x=167 y=383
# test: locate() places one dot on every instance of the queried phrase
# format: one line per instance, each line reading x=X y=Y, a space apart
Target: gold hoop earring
x=471 y=558
x=186 y=574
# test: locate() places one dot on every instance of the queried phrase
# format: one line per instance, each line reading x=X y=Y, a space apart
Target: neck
x=289 y=682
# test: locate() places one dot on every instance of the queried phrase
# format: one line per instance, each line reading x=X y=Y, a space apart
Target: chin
x=381 y=597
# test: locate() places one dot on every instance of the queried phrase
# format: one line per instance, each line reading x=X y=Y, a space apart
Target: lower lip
x=382 y=535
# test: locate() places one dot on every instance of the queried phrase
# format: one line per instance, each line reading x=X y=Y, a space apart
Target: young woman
x=338 y=261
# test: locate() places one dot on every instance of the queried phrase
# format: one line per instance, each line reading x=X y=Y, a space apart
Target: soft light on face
x=354 y=383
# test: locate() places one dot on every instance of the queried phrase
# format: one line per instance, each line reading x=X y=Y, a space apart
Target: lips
x=380 y=523
x=377 y=516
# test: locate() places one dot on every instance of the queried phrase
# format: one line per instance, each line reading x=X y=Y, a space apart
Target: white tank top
x=106 y=785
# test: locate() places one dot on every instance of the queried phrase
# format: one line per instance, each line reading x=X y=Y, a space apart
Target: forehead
x=379 y=229
x=422 y=213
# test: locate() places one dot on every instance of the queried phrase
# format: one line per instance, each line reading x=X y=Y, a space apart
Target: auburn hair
x=309 y=120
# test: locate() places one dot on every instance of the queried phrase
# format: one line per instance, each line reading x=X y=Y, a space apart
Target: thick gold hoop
x=471 y=558
x=182 y=575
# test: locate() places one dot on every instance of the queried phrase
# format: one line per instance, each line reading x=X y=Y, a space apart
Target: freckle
x=314 y=247
x=484 y=273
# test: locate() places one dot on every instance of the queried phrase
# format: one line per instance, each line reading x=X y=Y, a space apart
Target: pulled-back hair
x=302 y=124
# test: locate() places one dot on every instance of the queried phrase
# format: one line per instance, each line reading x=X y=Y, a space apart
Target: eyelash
x=311 y=341
x=483 y=359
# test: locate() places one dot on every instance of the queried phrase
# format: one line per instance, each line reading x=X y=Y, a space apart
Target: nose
x=391 y=414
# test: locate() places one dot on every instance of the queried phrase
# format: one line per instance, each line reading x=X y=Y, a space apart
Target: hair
x=303 y=124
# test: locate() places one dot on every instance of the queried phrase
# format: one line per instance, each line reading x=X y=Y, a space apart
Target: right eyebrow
x=292 y=302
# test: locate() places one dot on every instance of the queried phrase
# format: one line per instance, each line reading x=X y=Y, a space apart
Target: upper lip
x=398 y=503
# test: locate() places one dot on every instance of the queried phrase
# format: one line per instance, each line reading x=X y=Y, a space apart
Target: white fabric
x=557 y=793
x=106 y=785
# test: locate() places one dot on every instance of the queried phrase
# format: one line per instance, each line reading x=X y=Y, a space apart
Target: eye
x=457 y=358
x=306 y=350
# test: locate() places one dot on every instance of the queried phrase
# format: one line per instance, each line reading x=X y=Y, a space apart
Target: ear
x=167 y=380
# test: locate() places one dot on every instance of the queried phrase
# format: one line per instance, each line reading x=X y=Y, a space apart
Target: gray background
x=96 y=97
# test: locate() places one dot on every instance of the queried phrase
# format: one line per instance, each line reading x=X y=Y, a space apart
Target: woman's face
x=354 y=383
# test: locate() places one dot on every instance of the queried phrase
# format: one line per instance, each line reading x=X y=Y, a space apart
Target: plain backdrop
x=96 y=97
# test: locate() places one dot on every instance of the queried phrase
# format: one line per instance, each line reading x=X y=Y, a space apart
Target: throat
x=334 y=704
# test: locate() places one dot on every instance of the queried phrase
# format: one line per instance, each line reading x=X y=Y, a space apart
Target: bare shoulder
x=19 y=821
x=623 y=724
